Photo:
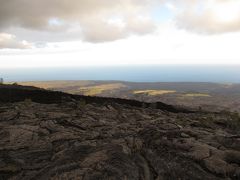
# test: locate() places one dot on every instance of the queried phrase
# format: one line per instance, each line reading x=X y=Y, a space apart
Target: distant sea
x=136 y=73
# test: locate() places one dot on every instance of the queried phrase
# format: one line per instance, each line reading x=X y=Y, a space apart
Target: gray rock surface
x=73 y=140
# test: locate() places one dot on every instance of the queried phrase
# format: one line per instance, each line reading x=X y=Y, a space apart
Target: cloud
x=92 y=19
x=116 y=28
x=9 y=41
x=43 y=21
x=207 y=16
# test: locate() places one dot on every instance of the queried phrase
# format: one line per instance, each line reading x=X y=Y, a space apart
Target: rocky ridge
x=71 y=137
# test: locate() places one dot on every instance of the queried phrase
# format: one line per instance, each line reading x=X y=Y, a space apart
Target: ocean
x=134 y=73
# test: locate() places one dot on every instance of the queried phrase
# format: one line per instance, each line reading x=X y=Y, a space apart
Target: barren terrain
x=64 y=136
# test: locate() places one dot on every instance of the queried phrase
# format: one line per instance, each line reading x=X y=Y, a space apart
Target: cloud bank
x=9 y=41
x=207 y=16
x=96 y=21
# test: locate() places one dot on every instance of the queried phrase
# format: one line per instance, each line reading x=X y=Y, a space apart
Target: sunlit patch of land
x=98 y=89
x=154 y=92
x=197 y=95
x=56 y=84
x=211 y=96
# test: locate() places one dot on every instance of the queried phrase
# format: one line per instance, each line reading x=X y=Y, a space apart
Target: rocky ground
x=78 y=140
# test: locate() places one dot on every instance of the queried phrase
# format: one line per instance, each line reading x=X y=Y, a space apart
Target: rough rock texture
x=77 y=140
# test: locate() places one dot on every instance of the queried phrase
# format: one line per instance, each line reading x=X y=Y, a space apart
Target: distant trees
x=1 y=80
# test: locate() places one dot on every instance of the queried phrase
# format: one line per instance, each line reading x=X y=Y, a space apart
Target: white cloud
x=207 y=16
x=9 y=41
x=167 y=46
x=89 y=17
x=54 y=25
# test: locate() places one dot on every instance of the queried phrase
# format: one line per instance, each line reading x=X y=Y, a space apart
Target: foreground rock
x=77 y=137
x=75 y=140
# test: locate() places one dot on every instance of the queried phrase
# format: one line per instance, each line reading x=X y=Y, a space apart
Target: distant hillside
x=17 y=93
x=209 y=96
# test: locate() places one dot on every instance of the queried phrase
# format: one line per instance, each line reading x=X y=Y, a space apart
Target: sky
x=72 y=33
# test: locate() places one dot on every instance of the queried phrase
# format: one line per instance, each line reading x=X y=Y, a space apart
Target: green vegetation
x=57 y=84
x=88 y=88
x=154 y=92
x=234 y=121
x=95 y=90
x=81 y=103
x=196 y=95
x=27 y=102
